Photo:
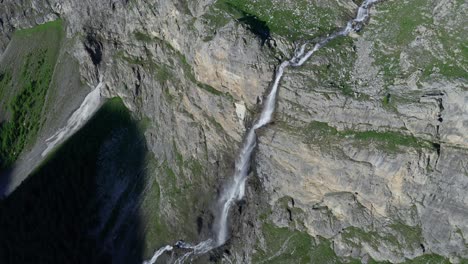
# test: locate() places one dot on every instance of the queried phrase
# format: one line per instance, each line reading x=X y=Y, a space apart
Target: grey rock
x=169 y=66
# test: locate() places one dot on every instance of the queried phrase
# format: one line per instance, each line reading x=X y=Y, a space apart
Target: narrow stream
x=235 y=190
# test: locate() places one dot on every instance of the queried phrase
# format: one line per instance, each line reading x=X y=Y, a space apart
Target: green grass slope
x=26 y=72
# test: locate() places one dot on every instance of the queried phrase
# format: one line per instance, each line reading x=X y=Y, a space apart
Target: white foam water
x=157 y=254
x=235 y=190
x=199 y=249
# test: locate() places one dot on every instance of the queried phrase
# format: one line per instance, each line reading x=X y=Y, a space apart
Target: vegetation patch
x=215 y=19
x=386 y=100
x=163 y=73
x=429 y=259
x=290 y=19
x=49 y=28
x=400 y=236
x=140 y=36
x=31 y=80
x=412 y=235
x=355 y=236
x=389 y=141
x=401 y=21
x=283 y=245
x=333 y=72
x=5 y=82
x=443 y=53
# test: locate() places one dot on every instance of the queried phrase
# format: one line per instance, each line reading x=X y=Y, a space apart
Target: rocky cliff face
x=366 y=160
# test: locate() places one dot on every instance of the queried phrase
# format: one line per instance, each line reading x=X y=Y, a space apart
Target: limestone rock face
x=370 y=140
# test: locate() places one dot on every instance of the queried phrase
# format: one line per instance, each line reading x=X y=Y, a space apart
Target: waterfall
x=235 y=190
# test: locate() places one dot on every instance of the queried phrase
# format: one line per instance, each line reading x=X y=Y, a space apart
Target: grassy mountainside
x=25 y=76
x=292 y=20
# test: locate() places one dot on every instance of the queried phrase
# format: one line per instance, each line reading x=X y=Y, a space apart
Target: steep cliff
x=366 y=159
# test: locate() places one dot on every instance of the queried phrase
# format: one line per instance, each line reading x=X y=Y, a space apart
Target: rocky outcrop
x=369 y=140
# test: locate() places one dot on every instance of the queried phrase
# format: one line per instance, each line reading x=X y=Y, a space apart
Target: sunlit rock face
x=366 y=157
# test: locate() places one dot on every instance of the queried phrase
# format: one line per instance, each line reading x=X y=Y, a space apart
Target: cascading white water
x=199 y=249
x=236 y=189
x=158 y=253
x=87 y=108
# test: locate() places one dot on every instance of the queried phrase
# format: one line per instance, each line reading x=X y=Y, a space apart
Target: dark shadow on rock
x=5 y=179
x=259 y=28
x=82 y=204
x=94 y=48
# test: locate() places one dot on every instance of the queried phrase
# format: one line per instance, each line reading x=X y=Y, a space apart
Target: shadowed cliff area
x=81 y=204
